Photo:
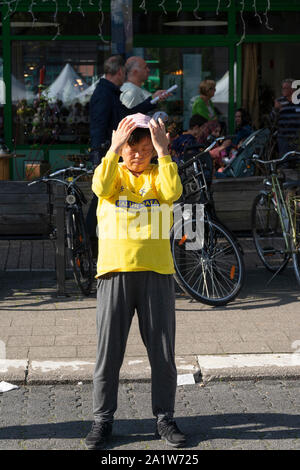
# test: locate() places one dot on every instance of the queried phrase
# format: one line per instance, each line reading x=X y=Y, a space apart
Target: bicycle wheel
x=296 y=241
x=208 y=263
x=267 y=234
x=79 y=250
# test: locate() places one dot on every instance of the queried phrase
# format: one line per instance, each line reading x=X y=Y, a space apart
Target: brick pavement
x=251 y=415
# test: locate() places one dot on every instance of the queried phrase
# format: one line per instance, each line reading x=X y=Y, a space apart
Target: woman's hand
x=159 y=137
x=122 y=134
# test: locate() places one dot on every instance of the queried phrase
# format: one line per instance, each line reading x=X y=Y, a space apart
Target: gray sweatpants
x=152 y=296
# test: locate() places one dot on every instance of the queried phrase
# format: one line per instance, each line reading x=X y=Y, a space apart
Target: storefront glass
x=157 y=22
x=269 y=23
x=187 y=67
x=68 y=24
x=51 y=86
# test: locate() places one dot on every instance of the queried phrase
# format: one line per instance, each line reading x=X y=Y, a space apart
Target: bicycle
x=276 y=219
x=208 y=261
x=77 y=238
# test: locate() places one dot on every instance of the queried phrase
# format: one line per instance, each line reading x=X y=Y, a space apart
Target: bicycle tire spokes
x=79 y=251
x=212 y=273
x=267 y=233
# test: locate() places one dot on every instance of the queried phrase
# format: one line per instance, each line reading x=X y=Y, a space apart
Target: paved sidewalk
x=36 y=326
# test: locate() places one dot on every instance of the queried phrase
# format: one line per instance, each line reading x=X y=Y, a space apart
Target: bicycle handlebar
x=70 y=168
x=207 y=149
x=278 y=160
x=182 y=166
x=45 y=179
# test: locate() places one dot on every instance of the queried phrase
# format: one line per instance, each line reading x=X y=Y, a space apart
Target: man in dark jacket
x=106 y=109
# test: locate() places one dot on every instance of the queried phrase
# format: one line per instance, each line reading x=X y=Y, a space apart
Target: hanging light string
x=196 y=9
x=243 y=22
x=9 y=10
x=101 y=21
x=256 y=14
x=268 y=8
x=79 y=8
x=16 y=6
x=162 y=5
x=55 y=20
x=12 y=6
x=179 y=6
x=69 y=6
x=34 y=19
x=143 y=6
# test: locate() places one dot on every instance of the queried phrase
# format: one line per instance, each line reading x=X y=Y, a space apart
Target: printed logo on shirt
x=125 y=204
x=145 y=189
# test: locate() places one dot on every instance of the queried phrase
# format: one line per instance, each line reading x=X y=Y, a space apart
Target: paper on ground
x=6 y=387
x=185 y=379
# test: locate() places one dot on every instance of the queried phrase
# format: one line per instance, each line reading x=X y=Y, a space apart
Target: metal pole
x=59 y=205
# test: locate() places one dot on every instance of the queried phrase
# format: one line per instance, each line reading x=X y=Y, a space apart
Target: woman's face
x=216 y=132
x=211 y=91
x=138 y=156
x=238 y=118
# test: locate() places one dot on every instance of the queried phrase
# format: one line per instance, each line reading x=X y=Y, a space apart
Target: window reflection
x=275 y=22
x=187 y=67
x=69 y=23
x=157 y=22
x=51 y=88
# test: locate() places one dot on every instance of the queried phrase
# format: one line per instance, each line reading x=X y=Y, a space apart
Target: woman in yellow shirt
x=134 y=270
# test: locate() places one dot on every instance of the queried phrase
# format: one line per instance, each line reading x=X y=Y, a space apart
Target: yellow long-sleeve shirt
x=135 y=215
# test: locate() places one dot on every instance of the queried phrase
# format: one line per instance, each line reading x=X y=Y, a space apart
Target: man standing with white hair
x=137 y=72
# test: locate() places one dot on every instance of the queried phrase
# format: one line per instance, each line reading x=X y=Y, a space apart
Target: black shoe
x=167 y=429
x=98 y=435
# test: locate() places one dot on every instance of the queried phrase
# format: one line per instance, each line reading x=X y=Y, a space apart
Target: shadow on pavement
x=257 y=292
x=246 y=426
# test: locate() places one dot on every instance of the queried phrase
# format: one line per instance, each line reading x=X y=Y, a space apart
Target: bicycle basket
x=196 y=177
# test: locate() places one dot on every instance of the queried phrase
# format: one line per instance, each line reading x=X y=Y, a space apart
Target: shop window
x=157 y=22
x=51 y=87
x=276 y=22
x=69 y=23
x=186 y=68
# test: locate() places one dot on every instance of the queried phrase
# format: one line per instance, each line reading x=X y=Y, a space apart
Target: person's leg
x=156 y=314
x=115 y=309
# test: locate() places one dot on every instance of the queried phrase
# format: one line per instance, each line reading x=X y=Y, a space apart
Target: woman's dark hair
x=246 y=118
x=137 y=135
x=197 y=120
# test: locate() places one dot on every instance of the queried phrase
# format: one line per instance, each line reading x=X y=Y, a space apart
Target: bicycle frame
x=282 y=202
x=282 y=207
